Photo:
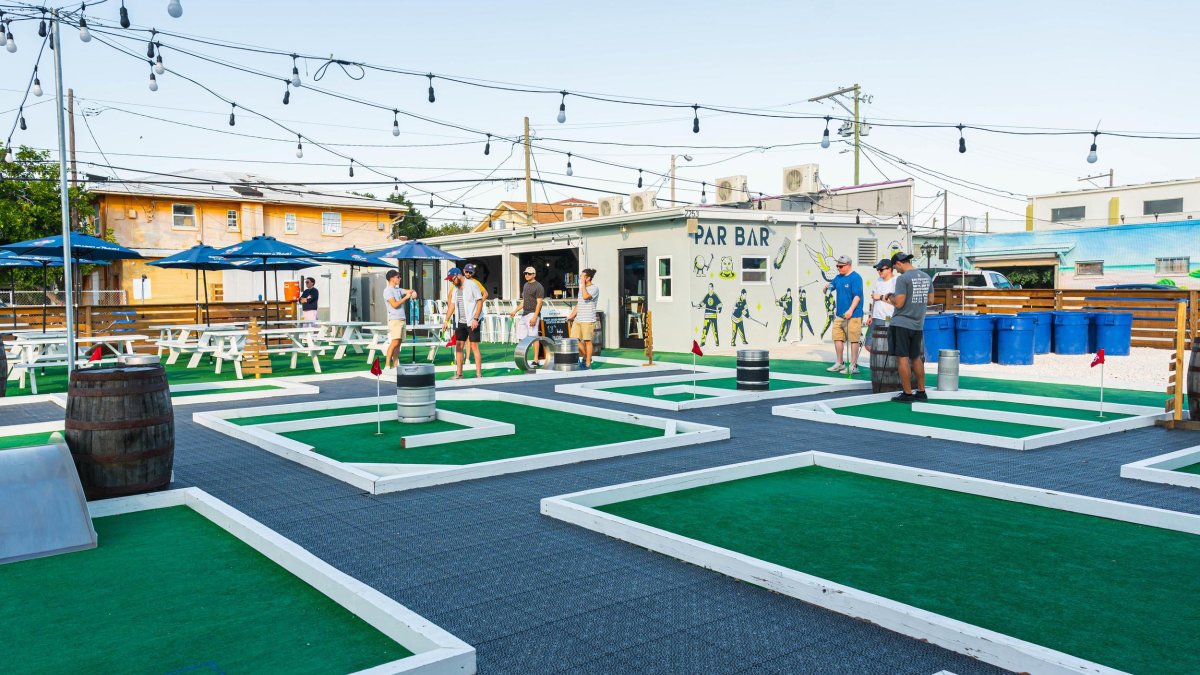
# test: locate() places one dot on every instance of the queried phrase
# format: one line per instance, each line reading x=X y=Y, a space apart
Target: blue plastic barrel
x=1043 y=329
x=1014 y=340
x=974 y=334
x=1071 y=332
x=1114 y=331
x=938 y=334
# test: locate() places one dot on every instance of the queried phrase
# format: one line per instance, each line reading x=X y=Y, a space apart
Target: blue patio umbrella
x=12 y=261
x=354 y=257
x=415 y=250
x=201 y=258
x=264 y=248
x=80 y=246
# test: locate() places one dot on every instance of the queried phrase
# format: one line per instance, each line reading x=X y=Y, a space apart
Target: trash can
x=1014 y=340
x=938 y=335
x=974 y=336
x=1114 y=332
x=1043 y=330
x=1071 y=332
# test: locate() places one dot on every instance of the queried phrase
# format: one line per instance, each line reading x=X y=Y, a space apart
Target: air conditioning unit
x=611 y=206
x=499 y=224
x=572 y=214
x=804 y=179
x=643 y=201
x=731 y=189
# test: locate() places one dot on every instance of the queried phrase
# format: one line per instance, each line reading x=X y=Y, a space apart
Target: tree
x=414 y=224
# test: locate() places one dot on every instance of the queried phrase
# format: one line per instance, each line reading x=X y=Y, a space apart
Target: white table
x=343 y=334
x=39 y=351
x=181 y=338
x=380 y=341
x=228 y=345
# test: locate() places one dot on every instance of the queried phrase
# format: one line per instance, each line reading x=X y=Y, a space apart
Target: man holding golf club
x=847 y=289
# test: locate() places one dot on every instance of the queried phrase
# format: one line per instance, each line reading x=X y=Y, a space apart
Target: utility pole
x=64 y=196
x=833 y=95
x=856 y=146
x=71 y=150
x=1099 y=175
x=672 y=181
x=528 y=179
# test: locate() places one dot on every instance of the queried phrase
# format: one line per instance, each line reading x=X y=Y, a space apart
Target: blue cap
x=454 y=271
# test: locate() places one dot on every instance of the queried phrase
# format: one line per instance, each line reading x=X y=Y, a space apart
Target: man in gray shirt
x=906 y=332
x=529 y=313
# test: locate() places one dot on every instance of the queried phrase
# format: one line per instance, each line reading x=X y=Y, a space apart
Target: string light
x=42 y=25
x=8 y=153
x=639 y=178
x=232 y=107
x=395 y=122
x=85 y=35
x=352 y=167
x=703 y=193
x=825 y=135
x=37 y=84
x=174 y=9
x=695 y=119
x=431 y=201
x=124 y=15
x=487 y=147
x=962 y=142
x=858 y=216
x=21 y=120
x=150 y=44
x=295 y=72
x=287 y=92
x=395 y=187
x=9 y=43
x=1091 y=158
x=299 y=147
x=158 y=64
x=153 y=81
x=761 y=197
x=432 y=98
x=562 y=108
x=570 y=171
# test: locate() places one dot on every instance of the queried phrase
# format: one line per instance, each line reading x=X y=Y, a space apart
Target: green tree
x=414 y=225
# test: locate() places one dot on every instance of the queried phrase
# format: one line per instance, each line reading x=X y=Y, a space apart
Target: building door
x=631 y=314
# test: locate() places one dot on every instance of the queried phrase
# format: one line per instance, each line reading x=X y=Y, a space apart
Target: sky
x=1062 y=65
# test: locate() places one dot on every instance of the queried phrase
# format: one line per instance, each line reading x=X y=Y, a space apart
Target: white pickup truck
x=972 y=279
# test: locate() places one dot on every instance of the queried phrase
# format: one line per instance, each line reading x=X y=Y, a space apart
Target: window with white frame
x=1067 y=213
x=331 y=223
x=231 y=220
x=663 y=270
x=1177 y=265
x=289 y=224
x=1089 y=268
x=754 y=269
x=183 y=216
x=1153 y=207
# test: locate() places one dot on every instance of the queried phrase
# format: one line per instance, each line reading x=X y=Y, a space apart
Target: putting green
x=238 y=390
x=1078 y=584
x=1030 y=409
x=24 y=440
x=902 y=412
x=168 y=591
x=538 y=431
x=647 y=390
x=1194 y=468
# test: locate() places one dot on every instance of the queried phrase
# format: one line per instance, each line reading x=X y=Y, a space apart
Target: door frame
x=623 y=340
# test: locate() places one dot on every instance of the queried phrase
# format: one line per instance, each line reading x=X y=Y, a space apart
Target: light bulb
x=232 y=120
x=432 y=98
x=174 y=9
x=695 y=119
x=352 y=168
x=299 y=150
x=9 y=44
x=295 y=75
x=395 y=122
x=8 y=155
x=825 y=135
x=703 y=193
x=158 y=64
x=85 y=35
x=962 y=142
x=42 y=28
x=150 y=45
x=570 y=171
x=21 y=123
x=487 y=148
x=1091 y=158
x=431 y=201
x=153 y=83
x=37 y=87
x=124 y=16
x=287 y=94
x=639 y=178
x=562 y=109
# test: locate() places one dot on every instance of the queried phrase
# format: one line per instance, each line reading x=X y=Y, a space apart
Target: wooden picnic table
x=37 y=351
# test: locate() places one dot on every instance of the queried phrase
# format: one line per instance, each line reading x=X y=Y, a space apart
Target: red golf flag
x=453 y=340
x=696 y=348
x=1099 y=357
x=95 y=354
x=375 y=369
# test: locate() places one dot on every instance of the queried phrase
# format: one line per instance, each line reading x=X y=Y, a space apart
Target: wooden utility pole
x=945 y=227
x=672 y=181
x=71 y=150
x=856 y=125
x=528 y=179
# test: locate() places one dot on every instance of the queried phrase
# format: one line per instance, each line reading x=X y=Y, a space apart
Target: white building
x=1174 y=200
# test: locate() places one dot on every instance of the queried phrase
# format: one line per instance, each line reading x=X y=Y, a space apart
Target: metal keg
x=416 y=393
x=566 y=354
x=753 y=369
x=947 y=375
x=138 y=360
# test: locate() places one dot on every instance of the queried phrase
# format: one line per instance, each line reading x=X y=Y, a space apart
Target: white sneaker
x=836 y=368
x=854 y=370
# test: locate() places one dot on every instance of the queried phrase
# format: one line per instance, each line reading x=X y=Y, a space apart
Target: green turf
x=1078 y=584
x=239 y=390
x=538 y=431
x=647 y=390
x=1194 y=468
x=24 y=440
x=365 y=446
x=901 y=412
x=1029 y=409
x=389 y=403
x=169 y=591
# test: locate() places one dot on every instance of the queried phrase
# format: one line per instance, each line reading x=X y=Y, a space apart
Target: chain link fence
x=57 y=298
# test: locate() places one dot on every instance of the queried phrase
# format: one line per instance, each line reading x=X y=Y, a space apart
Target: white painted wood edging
x=1161 y=469
x=987 y=645
x=435 y=651
x=682 y=383
x=230 y=391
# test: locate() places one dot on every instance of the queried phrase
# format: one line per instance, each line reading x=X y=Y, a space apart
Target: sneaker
x=920 y=395
x=583 y=366
x=904 y=398
x=854 y=370
x=835 y=368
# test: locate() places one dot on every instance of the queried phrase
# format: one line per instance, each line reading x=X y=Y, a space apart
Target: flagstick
x=693 y=376
x=1101 y=389
x=378 y=408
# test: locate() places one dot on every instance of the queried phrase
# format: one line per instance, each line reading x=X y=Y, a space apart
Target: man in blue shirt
x=848 y=309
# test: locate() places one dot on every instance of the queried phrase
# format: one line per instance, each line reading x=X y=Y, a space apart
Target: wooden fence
x=1154 y=312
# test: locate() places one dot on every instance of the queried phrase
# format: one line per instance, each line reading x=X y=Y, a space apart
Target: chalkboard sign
x=554 y=327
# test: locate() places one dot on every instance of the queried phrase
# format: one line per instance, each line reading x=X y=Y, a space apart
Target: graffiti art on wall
x=711 y=304
x=823 y=256
x=784 y=302
x=700 y=267
x=781 y=254
x=727 y=272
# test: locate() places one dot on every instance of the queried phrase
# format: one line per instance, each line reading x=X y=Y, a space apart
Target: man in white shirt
x=466 y=310
x=584 y=316
x=881 y=309
x=395 y=298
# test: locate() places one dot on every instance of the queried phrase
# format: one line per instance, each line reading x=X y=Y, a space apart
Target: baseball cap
x=843 y=260
x=469 y=267
x=883 y=263
x=902 y=257
x=530 y=270
x=454 y=271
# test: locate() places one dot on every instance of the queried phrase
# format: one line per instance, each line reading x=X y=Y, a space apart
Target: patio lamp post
x=928 y=249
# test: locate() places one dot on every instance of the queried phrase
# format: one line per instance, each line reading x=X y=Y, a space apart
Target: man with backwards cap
x=906 y=333
x=847 y=289
x=467 y=311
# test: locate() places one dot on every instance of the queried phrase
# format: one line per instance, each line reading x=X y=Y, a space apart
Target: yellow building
x=158 y=216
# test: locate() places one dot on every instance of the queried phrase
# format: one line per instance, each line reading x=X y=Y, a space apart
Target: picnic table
x=227 y=344
x=379 y=339
x=180 y=338
x=343 y=334
x=36 y=351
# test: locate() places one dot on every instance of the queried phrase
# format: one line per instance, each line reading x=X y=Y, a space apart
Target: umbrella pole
x=196 y=295
x=350 y=295
x=266 y=312
x=12 y=283
x=207 y=318
x=278 y=309
x=44 y=291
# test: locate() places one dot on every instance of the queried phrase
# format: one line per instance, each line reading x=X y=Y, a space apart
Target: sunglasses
x=842 y=265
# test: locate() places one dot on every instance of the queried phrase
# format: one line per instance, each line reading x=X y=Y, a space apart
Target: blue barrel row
x=1013 y=339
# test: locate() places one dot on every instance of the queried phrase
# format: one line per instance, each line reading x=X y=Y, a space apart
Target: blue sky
x=1060 y=64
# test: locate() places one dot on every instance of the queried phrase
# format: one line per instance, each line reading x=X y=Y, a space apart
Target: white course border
x=469 y=379
x=384 y=478
x=974 y=641
x=1161 y=469
x=229 y=391
x=682 y=383
x=21 y=399
x=435 y=651
x=1068 y=429
x=31 y=428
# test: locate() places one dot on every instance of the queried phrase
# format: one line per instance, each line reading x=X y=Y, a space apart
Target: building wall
x=1100 y=208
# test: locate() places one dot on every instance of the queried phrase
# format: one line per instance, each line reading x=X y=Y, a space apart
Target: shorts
x=523 y=329
x=310 y=315
x=841 y=327
x=583 y=331
x=906 y=342
x=463 y=333
x=396 y=328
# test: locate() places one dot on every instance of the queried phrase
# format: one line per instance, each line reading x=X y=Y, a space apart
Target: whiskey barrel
x=1193 y=381
x=120 y=428
x=885 y=370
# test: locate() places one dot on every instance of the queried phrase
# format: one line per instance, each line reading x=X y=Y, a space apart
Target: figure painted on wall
x=781 y=254
x=711 y=304
x=784 y=302
x=830 y=310
x=727 y=268
x=802 y=301
x=699 y=267
x=823 y=256
x=740 y=311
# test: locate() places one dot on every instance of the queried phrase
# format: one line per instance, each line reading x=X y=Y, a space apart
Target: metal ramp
x=42 y=508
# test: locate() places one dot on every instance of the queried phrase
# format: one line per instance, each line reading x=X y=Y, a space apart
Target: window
x=999 y=280
x=1172 y=265
x=289 y=223
x=1152 y=207
x=1067 y=213
x=754 y=270
x=183 y=216
x=331 y=223
x=868 y=251
x=663 y=265
x=1090 y=268
x=231 y=220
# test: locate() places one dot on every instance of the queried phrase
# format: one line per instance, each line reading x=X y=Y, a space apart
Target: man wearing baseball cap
x=906 y=333
x=467 y=311
x=885 y=285
x=468 y=271
x=529 y=312
x=848 y=310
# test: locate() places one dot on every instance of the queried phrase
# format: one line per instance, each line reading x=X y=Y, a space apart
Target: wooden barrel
x=1193 y=381
x=753 y=370
x=885 y=373
x=416 y=393
x=120 y=428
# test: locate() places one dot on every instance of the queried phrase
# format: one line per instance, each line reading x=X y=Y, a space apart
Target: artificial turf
x=1031 y=409
x=1075 y=583
x=1194 y=468
x=239 y=390
x=24 y=440
x=538 y=431
x=169 y=591
x=647 y=390
x=900 y=412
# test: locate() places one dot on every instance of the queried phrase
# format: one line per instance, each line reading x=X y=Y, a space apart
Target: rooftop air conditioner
x=643 y=201
x=572 y=214
x=804 y=179
x=499 y=224
x=731 y=190
x=611 y=206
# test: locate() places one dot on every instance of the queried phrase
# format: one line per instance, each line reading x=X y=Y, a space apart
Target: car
x=972 y=279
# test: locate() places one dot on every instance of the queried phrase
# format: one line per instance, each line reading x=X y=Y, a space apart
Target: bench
x=236 y=357
x=20 y=369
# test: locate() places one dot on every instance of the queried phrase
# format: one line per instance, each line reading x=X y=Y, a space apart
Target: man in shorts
x=466 y=310
x=469 y=276
x=584 y=316
x=885 y=285
x=906 y=334
x=308 y=301
x=528 y=314
x=847 y=289
x=394 y=298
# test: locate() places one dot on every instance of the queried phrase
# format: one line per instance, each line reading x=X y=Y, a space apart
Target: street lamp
x=686 y=158
x=928 y=249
